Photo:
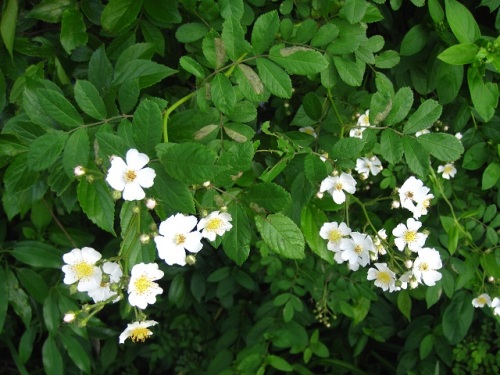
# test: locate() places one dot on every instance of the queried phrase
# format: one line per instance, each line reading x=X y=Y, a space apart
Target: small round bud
x=136 y=210
x=90 y=178
x=190 y=260
x=79 y=171
x=319 y=195
x=491 y=279
x=335 y=172
x=413 y=284
x=204 y=213
x=150 y=203
x=73 y=289
x=116 y=195
x=458 y=136
x=69 y=317
x=223 y=209
x=286 y=105
x=408 y=263
x=144 y=238
x=207 y=184
x=395 y=204
x=446 y=128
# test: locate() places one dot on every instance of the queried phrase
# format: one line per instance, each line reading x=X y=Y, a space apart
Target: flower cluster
x=415 y=197
x=485 y=300
x=361 y=126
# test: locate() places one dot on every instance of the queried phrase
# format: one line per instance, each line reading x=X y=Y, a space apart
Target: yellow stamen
x=130 y=175
x=335 y=235
x=358 y=249
x=213 y=224
x=180 y=239
x=423 y=267
x=410 y=236
x=140 y=334
x=383 y=277
x=83 y=269
x=338 y=186
x=143 y=284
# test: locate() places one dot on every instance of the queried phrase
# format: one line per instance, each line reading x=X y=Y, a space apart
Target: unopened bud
x=319 y=194
x=395 y=204
x=408 y=263
x=223 y=209
x=445 y=128
x=116 y=195
x=491 y=279
x=144 y=238
x=204 y=213
x=136 y=210
x=458 y=136
x=150 y=203
x=79 y=171
x=89 y=178
x=190 y=260
x=335 y=172
x=69 y=317
x=207 y=184
x=413 y=284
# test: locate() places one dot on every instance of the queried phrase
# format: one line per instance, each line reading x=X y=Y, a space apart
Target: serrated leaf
x=349 y=71
x=354 y=10
x=231 y=9
x=311 y=221
x=347 y=148
x=45 y=150
x=76 y=151
x=191 y=163
x=233 y=37
x=174 y=194
x=264 y=31
x=249 y=83
x=192 y=66
x=89 y=100
x=387 y=59
x=111 y=144
x=315 y=169
x=95 y=200
x=267 y=195
x=191 y=32
x=73 y=30
x=274 y=78
x=415 y=156
x=442 y=146
x=59 y=108
x=120 y=14
x=282 y=235
x=391 y=146
x=222 y=93
x=456 y=329
x=428 y=113
x=148 y=72
x=100 y=71
x=239 y=132
x=491 y=175
x=236 y=242
x=147 y=126
x=128 y=95
x=298 y=60
x=403 y=101
x=8 y=25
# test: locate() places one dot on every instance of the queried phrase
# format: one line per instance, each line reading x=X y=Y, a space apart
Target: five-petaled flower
x=215 y=224
x=407 y=235
x=383 y=276
x=137 y=331
x=81 y=267
x=334 y=233
x=177 y=235
x=365 y=166
x=309 y=130
x=131 y=176
x=426 y=265
x=481 y=300
x=448 y=170
x=336 y=185
x=142 y=289
x=357 y=250
x=113 y=273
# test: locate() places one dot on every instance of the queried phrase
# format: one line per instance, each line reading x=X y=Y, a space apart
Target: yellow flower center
x=423 y=267
x=83 y=269
x=426 y=203
x=142 y=284
x=358 y=249
x=309 y=131
x=140 y=334
x=130 y=175
x=481 y=300
x=409 y=195
x=338 y=186
x=213 y=224
x=383 y=277
x=334 y=236
x=410 y=236
x=180 y=239
x=448 y=169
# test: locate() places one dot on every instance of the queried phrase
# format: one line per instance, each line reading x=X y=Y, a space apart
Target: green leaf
x=264 y=31
x=350 y=72
x=148 y=72
x=192 y=66
x=449 y=82
x=462 y=22
x=436 y=11
x=44 y=151
x=233 y=37
x=404 y=304
x=191 y=32
x=387 y=59
x=236 y=242
x=76 y=152
x=324 y=35
x=484 y=95
x=312 y=106
x=311 y=221
x=243 y=111
x=34 y=284
x=111 y=144
x=249 y=83
x=298 y=60
x=163 y=12
x=426 y=346
x=118 y=15
x=49 y=10
x=4 y=300
x=347 y=149
x=89 y=100
x=177 y=290
x=231 y=9
x=52 y=359
x=191 y=163
x=282 y=235
x=442 y=146
x=19 y=176
x=415 y=156
x=459 y=54
x=476 y=156
x=403 y=101
x=315 y=169
x=457 y=317
x=267 y=195
x=274 y=78
x=279 y=363
x=223 y=94
x=147 y=126
x=37 y=254
x=8 y=25
x=73 y=30
x=490 y=175
x=414 y=40
x=59 y=108
x=75 y=350
x=391 y=146
x=96 y=202
x=424 y=117
x=354 y=10
x=100 y=70
x=128 y=95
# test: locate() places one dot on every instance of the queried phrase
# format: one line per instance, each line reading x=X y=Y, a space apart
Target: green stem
x=337 y=114
x=169 y=110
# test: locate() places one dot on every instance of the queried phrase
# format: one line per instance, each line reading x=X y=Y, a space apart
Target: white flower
x=495 y=304
x=142 y=289
x=336 y=185
x=324 y=157
x=365 y=166
x=379 y=245
x=137 y=331
x=103 y=291
x=334 y=233
x=80 y=267
x=422 y=132
x=458 y=136
x=356 y=132
x=448 y=170
x=426 y=265
x=131 y=177
x=364 y=120
x=177 y=236
x=363 y=123
x=308 y=130
x=383 y=276
x=407 y=235
x=422 y=206
x=412 y=192
x=481 y=300
x=216 y=223
x=357 y=250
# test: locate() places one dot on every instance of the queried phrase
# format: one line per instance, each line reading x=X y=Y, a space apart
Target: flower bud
x=413 y=283
x=207 y=184
x=491 y=279
x=144 y=238
x=190 y=260
x=408 y=263
x=69 y=317
x=136 y=210
x=319 y=194
x=116 y=195
x=395 y=204
x=79 y=171
x=150 y=203
x=90 y=178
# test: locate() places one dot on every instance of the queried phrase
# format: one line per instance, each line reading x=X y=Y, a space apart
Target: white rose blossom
x=426 y=265
x=481 y=300
x=363 y=123
x=215 y=224
x=412 y=192
x=335 y=234
x=357 y=250
x=407 y=235
x=131 y=176
x=142 y=289
x=365 y=166
x=177 y=235
x=336 y=185
x=495 y=304
x=383 y=276
x=81 y=267
x=448 y=171
x=137 y=331
x=103 y=291
x=309 y=130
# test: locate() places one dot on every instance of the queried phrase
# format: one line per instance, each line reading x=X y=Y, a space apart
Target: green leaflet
x=267 y=195
x=274 y=78
x=95 y=200
x=45 y=150
x=73 y=30
x=264 y=31
x=147 y=127
x=88 y=99
x=236 y=242
x=118 y=15
x=282 y=235
x=428 y=113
